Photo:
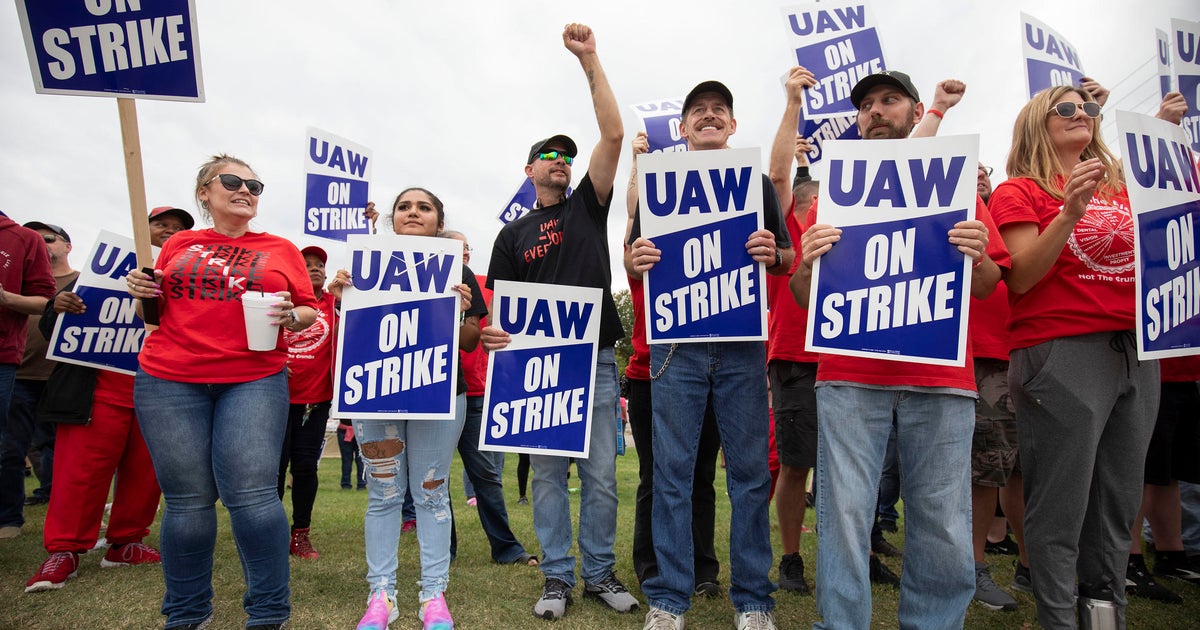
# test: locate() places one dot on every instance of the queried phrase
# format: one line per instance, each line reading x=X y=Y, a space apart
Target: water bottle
x=1097 y=610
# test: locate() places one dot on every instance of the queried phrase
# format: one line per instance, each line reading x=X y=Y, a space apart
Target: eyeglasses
x=1067 y=109
x=987 y=170
x=233 y=183
x=554 y=155
x=50 y=238
x=467 y=248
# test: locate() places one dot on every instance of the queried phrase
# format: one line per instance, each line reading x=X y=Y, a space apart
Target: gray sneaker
x=754 y=620
x=988 y=594
x=1021 y=580
x=612 y=592
x=659 y=619
x=556 y=595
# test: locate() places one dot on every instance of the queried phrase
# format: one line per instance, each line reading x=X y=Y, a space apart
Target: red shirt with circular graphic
x=310 y=355
x=1090 y=288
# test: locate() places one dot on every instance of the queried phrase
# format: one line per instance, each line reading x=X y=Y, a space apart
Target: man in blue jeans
x=734 y=374
x=563 y=240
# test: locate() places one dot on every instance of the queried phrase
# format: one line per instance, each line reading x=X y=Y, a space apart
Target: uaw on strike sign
x=397 y=353
x=894 y=287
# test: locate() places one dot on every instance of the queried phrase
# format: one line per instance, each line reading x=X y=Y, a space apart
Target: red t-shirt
x=989 y=323
x=833 y=367
x=202 y=336
x=787 y=323
x=639 y=362
x=1180 y=369
x=475 y=363
x=310 y=355
x=1090 y=288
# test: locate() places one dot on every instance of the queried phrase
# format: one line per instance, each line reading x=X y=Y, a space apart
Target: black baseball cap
x=894 y=78
x=179 y=213
x=715 y=87
x=566 y=143
x=38 y=225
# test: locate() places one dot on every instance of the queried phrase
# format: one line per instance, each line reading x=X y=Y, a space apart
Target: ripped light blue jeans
x=416 y=454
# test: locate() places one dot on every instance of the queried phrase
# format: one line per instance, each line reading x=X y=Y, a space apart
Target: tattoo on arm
x=591 y=76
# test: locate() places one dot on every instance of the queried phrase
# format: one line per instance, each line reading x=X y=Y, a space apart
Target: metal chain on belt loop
x=666 y=362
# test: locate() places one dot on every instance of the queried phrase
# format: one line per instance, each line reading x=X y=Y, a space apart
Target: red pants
x=85 y=458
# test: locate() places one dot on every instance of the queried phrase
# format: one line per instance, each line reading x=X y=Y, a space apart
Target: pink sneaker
x=408 y=526
x=130 y=553
x=435 y=615
x=381 y=611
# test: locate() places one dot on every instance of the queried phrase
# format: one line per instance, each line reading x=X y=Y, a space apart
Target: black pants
x=302 y=447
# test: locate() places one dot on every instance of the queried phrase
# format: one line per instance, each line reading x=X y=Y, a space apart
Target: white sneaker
x=659 y=619
x=754 y=620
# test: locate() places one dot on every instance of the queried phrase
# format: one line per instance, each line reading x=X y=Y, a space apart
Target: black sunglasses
x=233 y=183
x=1067 y=109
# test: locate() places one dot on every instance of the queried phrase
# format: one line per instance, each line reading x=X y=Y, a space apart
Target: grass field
x=331 y=592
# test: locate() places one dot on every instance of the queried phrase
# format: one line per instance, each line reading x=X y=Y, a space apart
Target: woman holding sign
x=1085 y=405
x=211 y=409
x=413 y=455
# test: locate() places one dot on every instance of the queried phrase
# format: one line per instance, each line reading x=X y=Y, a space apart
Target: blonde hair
x=1033 y=156
x=208 y=170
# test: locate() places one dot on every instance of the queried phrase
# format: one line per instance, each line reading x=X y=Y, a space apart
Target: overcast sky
x=449 y=96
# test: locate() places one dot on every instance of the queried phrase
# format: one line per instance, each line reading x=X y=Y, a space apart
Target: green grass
x=331 y=592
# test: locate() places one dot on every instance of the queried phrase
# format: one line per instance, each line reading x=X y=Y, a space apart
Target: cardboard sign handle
x=135 y=179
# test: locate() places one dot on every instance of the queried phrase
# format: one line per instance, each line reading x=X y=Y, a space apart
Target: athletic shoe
x=381 y=611
x=301 y=546
x=659 y=619
x=9 y=531
x=791 y=574
x=1006 y=547
x=711 y=590
x=888 y=525
x=1175 y=564
x=612 y=592
x=435 y=615
x=54 y=572
x=988 y=594
x=556 y=595
x=200 y=625
x=523 y=501
x=754 y=620
x=129 y=554
x=408 y=526
x=881 y=574
x=1021 y=579
x=882 y=547
x=1139 y=583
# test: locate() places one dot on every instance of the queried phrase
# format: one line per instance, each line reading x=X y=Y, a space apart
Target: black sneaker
x=881 y=574
x=556 y=596
x=709 y=589
x=882 y=547
x=1138 y=583
x=888 y=525
x=1175 y=564
x=1006 y=547
x=1022 y=581
x=791 y=574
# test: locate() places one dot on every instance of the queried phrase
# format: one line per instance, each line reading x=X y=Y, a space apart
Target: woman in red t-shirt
x=1085 y=405
x=211 y=410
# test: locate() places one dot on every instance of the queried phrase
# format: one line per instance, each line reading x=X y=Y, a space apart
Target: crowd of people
x=1053 y=429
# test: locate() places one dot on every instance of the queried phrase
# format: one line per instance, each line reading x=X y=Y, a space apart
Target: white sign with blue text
x=522 y=202
x=838 y=41
x=1185 y=63
x=539 y=387
x=661 y=120
x=337 y=174
x=113 y=48
x=1050 y=59
x=699 y=208
x=1163 y=55
x=1164 y=194
x=397 y=352
x=894 y=287
x=818 y=132
x=109 y=334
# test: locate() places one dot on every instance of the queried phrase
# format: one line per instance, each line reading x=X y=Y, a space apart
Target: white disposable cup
x=261 y=333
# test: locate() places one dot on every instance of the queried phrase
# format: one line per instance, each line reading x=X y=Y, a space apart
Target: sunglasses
x=1067 y=109
x=987 y=170
x=50 y=238
x=233 y=183
x=554 y=155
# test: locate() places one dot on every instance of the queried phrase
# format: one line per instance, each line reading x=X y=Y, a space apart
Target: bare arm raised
x=602 y=165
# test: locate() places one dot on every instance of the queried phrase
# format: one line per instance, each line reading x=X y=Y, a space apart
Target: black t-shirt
x=772 y=218
x=478 y=307
x=566 y=243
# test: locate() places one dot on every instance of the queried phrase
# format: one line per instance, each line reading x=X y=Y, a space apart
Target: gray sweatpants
x=1085 y=411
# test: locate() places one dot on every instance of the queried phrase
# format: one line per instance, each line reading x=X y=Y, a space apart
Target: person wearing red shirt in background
x=310 y=393
x=211 y=410
x=98 y=435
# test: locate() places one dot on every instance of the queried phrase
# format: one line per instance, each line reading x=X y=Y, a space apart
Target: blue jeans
x=734 y=373
x=889 y=483
x=1190 y=505
x=411 y=455
x=210 y=442
x=350 y=459
x=480 y=467
x=20 y=433
x=934 y=438
x=598 y=494
x=8 y=373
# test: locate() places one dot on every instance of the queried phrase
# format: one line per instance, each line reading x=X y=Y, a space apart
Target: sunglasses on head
x=233 y=183
x=1067 y=109
x=554 y=155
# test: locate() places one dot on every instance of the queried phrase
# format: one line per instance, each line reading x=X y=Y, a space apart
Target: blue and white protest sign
x=894 y=287
x=1185 y=62
x=337 y=174
x=699 y=208
x=661 y=120
x=1050 y=59
x=113 y=48
x=397 y=352
x=837 y=41
x=818 y=132
x=539 y=387
x=109 y=334
x=1164 y=195
x=1163 y=55
x=522 y=201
